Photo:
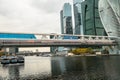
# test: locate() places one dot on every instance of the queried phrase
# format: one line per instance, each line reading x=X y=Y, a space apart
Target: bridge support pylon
x=13 y=50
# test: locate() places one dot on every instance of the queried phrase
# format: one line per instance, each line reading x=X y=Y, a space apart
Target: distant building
x=66 y=19
x=91 y=20
x=61 y=19
x=78 y=16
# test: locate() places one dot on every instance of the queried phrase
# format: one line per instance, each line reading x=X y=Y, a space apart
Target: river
x=63 y=68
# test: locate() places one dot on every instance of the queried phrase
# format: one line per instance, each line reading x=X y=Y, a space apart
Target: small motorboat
x=20 y=59
x=5 y=60
x=12 y=59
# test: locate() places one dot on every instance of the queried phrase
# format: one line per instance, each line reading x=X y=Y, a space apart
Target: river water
x=63 y=68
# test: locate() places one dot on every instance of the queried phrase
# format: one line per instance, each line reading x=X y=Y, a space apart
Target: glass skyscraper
x=91 y=21
x=77 y=16
x=109 y=11
x=61 y=19
x=110 y=16
x=66 y=19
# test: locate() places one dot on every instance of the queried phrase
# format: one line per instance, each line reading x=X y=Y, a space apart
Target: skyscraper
x=109 y=11
x=61 y=19
x=66 y=19
x=110 y=16
x=78 y=16
x=90 y=16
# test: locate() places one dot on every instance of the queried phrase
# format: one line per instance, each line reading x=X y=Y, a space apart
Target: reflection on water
x=11 y=71
x=87 y=68
x=14 y=71
x=63 y=68
x=58 y=65
x=34 y=67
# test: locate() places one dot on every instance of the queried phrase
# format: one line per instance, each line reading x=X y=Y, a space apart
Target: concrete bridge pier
x=13 y=50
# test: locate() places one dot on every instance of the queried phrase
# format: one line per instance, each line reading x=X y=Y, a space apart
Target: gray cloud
x=48 y=6
x=41 y=16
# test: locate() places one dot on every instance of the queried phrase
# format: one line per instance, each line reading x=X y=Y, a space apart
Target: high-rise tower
x=110 y=16
x=109 y=11
x=66 y=19
x=61 y=19
x=91 y=20
x=78 y=16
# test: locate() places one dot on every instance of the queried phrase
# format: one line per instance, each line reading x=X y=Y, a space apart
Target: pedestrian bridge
x=46 y=40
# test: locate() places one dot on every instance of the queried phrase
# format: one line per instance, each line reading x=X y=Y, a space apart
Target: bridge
x=58 y=40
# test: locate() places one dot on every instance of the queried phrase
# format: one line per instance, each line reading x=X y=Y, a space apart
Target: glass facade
x=91 y=21
x=77 y=16
x=109 y=11
x=66 y=15
x=17 y=36
x=67 y=10
x=68 y=25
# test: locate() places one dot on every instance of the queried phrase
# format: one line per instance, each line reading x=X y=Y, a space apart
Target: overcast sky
x=37 y=16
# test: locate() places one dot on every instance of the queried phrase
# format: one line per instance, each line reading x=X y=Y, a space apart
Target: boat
x=20 y=59
x=5 y=60
x=13 y=59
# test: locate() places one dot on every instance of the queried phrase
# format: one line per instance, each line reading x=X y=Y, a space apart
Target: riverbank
x=87 y=55
x=97 y=55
